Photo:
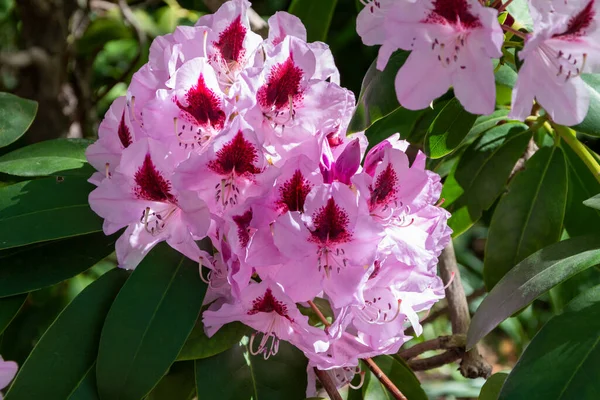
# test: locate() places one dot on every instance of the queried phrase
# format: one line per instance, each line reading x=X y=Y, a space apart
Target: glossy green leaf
x=593 y=202
x=580 y=219
x=591 y=123
x=491 y=388
x=237 y=375
x=178 y=384
x=531 y=278
x=67 y=351
x=198 y=345
x=378 y=93
x=520 y=12
x=33 y=267
x=563 y=359
x=87 y=388
x=400 y=121
x=148 y=324
x=316 y=16
x=480 y=175
x=16 y=116
x=400 y=374
x=529 y=216
x=64 y=157
x=486 y=122
x=9 y=307
x=448 y=130
x=38 y=210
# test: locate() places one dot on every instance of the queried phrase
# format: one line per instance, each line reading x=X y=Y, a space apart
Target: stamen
x=107 y=172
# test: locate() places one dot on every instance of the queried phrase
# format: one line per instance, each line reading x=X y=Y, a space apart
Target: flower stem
x=385 y=381
x=514 y=31
x=503 y=6
x=570 y=137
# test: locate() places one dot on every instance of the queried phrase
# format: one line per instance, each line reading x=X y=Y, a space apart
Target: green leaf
x=520 y=12
x=529 y=216
x=481 y=174
x=148 y=324
x=579 y=219
x=64 y=157
x=9 y=307
x=237 y=375
x=316 y=16
x=593 y=202
x=484 y=123
x=400 y=374
x=45 y=209
x=591 y=123
x=87 y=389
x=448 y=130
x=198 y=345
x=33 y=267
x=67 y=351
x=100 y=32
x=563 y=359
x=400 y=121
x=532 y=277
x=178 y=384
x=491 y=388
x=16 y=116
x=378 y=93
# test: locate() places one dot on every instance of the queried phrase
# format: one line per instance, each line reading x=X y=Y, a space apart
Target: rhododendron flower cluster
x=453 y=42
x=226 y=136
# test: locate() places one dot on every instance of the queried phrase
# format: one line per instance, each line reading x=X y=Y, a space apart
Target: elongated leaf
x=530 y=216
x=316 y=16
x=87 y=388
x=45 y=209
x=593 y=202
x=480 y=175
x=400 y=374
x=148 y=324
x=448 y=130
x=237 y=375
x=531 y=278
x=178 y=384
x=579 y=219
x=591 y=123
x=377 y=94
x=198 y=345
x=484 y=123
x=401 y=121
x=9 y=307
x=16 y=115
x=67 y=351
x=491 y=388
x=33 y=267
x=563 y=359
x=65 y=157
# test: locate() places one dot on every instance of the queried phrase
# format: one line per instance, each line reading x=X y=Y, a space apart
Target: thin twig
x=423 y=364
x=514 y=31
x=472 y=365
x=439 y=343
x=328 y=384
x=385 y=381
x=503 y=7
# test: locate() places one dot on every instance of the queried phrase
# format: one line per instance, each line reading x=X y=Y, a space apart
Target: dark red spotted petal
x=580 y=22
x=124 y=132
x=231 y=41
x=268 y=303
x=243 y=223
x=292 y=194
x=204 y=107
x=453 y=12
x=151 y=185
x=237 y=155
x=331 y=224
x=384 y=189
x=283 y=82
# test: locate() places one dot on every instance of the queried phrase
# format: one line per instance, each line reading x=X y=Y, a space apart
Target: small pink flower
x=452 y=44
x=565 y=44
x=8 y=370
x=265 y=307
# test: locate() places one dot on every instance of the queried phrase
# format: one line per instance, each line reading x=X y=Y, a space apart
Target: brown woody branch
x=423 y=364
x=472 y=364
x=328 y=384
x=439 y=343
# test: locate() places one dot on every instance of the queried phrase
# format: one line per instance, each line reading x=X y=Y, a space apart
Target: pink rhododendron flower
x=8 y=370
x=242 y=143
x=452 y=43
x=565 y=44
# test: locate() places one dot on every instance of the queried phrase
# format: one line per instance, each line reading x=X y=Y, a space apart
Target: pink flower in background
x=8 y=370
x=565 y=44
x=243 y=142
x=452 y=43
